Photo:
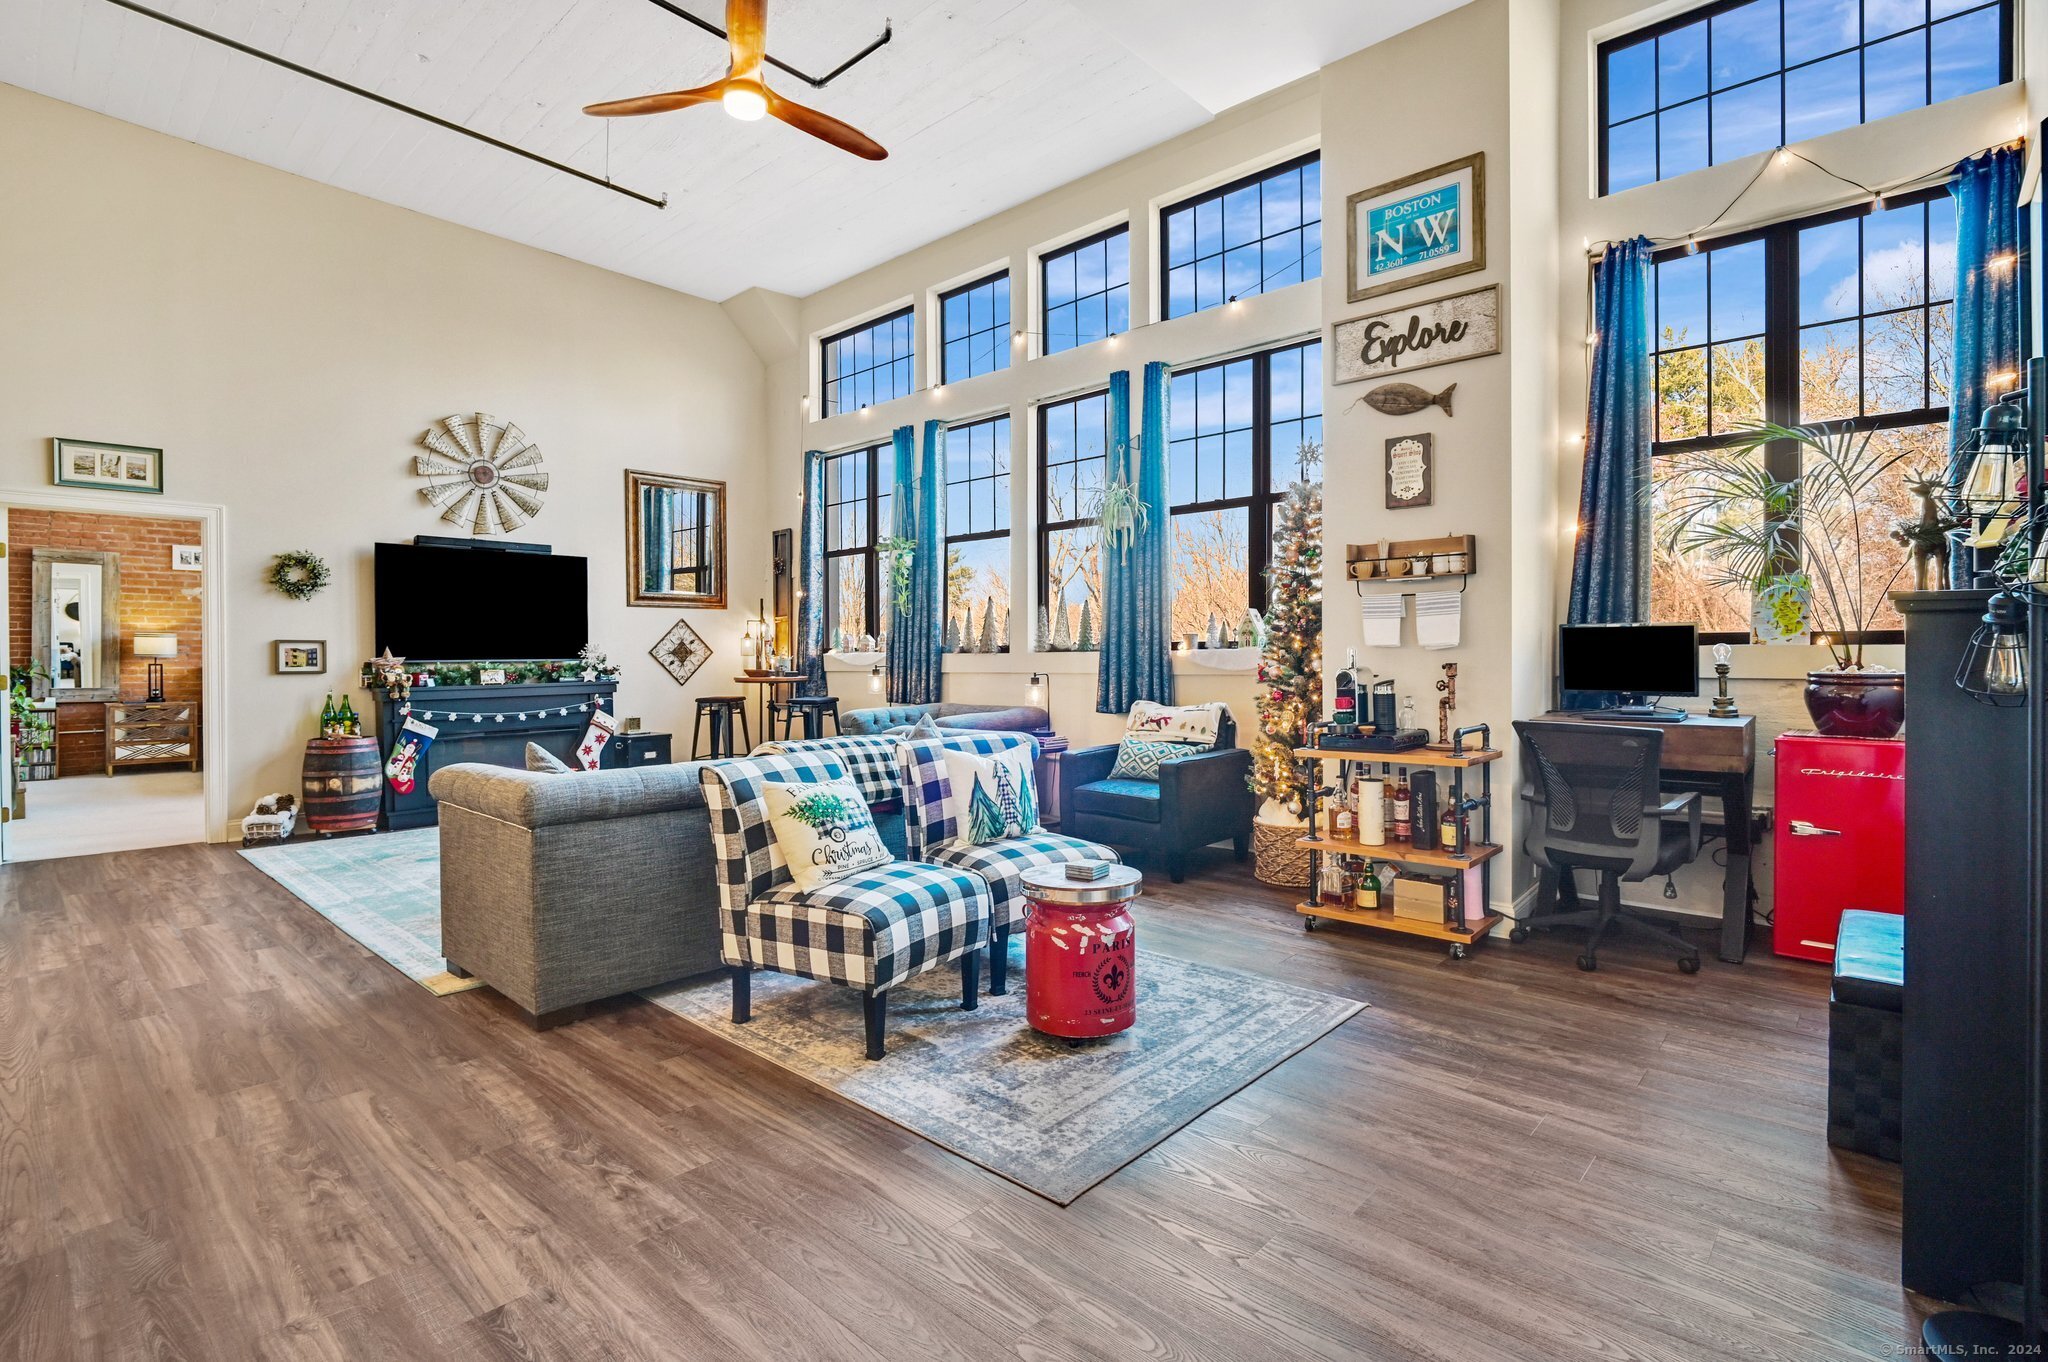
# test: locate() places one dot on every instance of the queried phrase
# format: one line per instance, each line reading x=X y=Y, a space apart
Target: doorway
x=107 y=643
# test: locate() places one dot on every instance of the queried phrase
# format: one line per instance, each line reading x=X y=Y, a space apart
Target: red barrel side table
x=1080 y=952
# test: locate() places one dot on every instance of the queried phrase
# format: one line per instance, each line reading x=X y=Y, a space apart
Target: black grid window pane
x=1262 y=232
x=974 y=329
x=1073 y=466
x=1844 y=320
x=870 y=363
x=1087 y=291
x=1742 y=76
x=858 y=504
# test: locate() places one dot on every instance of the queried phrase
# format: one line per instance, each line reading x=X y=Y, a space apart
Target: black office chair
x=1593 y=802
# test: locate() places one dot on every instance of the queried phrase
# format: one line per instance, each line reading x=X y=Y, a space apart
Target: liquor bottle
x=1334 y=890
x=1345 y=824
x=1451 y=831
x=328 y=717
x=1367 y=895
x=345 y=720
x=1404 y=827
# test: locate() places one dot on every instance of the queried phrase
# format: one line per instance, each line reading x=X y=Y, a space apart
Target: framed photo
x=1410 y=471
x=116 y=468
x=295 y=655
x=1416 y=230
x=1416 y=336
x=491 y=676
x=186 y=558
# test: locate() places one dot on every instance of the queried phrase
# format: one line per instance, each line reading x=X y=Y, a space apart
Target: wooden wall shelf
x=1389 y=561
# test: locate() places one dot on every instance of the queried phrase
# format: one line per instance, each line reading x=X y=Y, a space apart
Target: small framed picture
x=118 y=468
x=1416 y=230
x=186 y=558
x=491 y=676
x=297 y=655
x=1409 y=471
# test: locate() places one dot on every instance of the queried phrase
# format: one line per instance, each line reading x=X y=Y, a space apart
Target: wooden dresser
x=140 y=733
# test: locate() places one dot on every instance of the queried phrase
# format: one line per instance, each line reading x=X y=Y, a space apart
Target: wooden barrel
x=343 y=779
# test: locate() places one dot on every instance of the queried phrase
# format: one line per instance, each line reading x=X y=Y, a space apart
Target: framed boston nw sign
x=1417 y=230
x=1418 y=336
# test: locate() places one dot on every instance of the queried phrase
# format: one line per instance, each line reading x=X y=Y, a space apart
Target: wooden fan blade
x=826 y=128
x=746 y=29
x=654 y=104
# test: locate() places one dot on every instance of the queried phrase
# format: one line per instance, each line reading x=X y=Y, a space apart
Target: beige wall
x=1265 y=130
x=285 y=344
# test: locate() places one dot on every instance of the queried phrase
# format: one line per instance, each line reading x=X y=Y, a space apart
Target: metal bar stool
x=721 y=710
x=812 y=710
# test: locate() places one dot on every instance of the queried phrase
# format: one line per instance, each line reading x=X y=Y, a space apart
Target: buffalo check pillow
x=992 y=797
x=823 y=830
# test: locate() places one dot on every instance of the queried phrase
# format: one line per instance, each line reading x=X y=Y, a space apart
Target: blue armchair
x=1197 y=800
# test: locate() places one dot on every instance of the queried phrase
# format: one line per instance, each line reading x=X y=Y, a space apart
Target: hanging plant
x=902 y=555
x=1122 y=515
x=299 y=574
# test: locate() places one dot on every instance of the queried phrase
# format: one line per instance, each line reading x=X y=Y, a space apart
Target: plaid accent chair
x=870 y=930
x=933 y=836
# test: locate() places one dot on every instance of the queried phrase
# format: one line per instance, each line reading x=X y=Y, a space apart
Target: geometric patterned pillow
x=1140 y=758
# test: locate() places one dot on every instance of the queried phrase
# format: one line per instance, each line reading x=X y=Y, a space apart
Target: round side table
x=1080 y=952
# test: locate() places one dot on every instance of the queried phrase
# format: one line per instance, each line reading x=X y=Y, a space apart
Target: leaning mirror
x=76 y=630
x=675 y=540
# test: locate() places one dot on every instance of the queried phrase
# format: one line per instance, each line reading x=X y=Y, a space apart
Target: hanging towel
x=1383 y=615
x=1438 y=618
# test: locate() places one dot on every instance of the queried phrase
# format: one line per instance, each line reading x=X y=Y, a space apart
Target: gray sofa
x=557 y=890
x=949 y=714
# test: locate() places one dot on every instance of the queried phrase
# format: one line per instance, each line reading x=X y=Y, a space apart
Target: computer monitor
x=1635 y=661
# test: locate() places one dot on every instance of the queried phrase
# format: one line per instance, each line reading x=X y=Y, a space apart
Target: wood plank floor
x=228 y=1132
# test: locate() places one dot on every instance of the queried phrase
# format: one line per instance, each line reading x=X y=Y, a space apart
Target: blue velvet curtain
x=1137 y=660
x=1611 y=561
x=810 y=582
x=915 y=663
x=1987 y=317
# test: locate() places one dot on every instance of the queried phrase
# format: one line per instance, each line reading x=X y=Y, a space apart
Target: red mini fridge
x=1840 y=837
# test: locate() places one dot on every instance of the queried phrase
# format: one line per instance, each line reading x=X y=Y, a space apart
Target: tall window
x=1846 y=318
x=1237 y=436
x=859 y=506
x=1743 y=76
x=978 y=531
x=1264 y=231
x=1073 y=466
x=974 y=328
x=1087 y=290
x=869 y=363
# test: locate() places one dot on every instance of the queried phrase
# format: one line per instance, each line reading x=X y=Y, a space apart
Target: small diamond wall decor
x=681 y=652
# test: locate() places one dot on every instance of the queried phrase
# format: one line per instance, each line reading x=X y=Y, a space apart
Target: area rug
x=983 y=1084
x=384 y=890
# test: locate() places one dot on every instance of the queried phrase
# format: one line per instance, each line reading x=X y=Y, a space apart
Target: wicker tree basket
x=1278 y=858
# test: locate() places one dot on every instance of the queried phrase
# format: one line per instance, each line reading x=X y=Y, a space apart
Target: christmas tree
x=1084 y=642
x=1291 y=669
x=988 y=630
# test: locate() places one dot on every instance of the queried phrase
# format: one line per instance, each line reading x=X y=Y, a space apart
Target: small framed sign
x=110 y=468
x=1416 y=336
x=298 y=655
x=1410 y=471
x=1416 y=230
x=187 y=558
x=491 y=676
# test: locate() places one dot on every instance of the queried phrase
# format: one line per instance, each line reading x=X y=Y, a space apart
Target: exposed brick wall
x=153 y=599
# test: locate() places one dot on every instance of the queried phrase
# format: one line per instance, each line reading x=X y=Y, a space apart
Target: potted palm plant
x=1802 y=545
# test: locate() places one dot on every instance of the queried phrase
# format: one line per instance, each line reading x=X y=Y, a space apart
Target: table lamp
x=155 y=647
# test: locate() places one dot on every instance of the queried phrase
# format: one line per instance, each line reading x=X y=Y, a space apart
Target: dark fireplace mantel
x=499 y=739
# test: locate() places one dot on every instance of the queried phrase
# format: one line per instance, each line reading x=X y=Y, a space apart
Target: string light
x=2004 y=260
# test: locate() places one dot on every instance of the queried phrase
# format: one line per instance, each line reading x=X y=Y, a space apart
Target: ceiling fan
x=744 y=94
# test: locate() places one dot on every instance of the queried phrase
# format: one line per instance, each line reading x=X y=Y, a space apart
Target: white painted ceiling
x=983 y=104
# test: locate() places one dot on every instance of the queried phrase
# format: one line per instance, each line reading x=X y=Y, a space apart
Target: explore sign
x=1417 y=229
x=1420 y=336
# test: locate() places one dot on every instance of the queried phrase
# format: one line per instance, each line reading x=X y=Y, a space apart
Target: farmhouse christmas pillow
x=823 y=830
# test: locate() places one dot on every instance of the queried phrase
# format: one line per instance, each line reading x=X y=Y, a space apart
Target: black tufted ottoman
x=1864 y=1023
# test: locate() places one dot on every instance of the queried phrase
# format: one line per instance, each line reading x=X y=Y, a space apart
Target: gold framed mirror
x=76 y=630
x=675 y=541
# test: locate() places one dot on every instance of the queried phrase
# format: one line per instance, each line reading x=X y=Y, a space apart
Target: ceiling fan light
x=744 y=102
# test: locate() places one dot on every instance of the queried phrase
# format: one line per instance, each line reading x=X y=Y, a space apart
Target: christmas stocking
x=413 y=741
x=591 y=749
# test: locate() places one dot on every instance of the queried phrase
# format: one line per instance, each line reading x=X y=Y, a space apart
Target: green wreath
x=299 y=574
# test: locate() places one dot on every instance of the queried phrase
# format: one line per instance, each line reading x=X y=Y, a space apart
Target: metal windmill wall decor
x=482 y=473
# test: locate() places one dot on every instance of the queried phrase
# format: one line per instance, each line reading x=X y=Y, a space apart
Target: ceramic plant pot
x=1856 y=704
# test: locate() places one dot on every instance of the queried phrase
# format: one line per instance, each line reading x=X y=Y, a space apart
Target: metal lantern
x=1994 y=666
x=1996 y=455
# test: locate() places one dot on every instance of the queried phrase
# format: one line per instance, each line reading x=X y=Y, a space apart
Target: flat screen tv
x=473 y=605
x=1632 y=659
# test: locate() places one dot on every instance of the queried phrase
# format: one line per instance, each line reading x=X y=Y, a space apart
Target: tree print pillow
x=991 y=797
x=823 y=830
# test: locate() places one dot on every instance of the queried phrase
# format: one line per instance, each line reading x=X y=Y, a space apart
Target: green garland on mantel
x=470 y=673
x=299 y=574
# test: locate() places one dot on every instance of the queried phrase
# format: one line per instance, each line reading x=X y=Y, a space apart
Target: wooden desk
x=1716 y=757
